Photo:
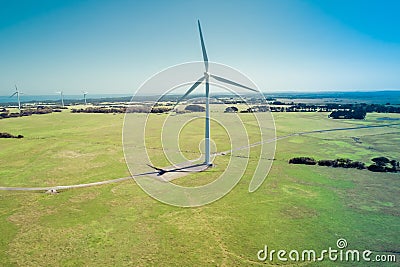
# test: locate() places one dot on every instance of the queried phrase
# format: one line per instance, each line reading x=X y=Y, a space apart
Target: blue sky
x=282 y=45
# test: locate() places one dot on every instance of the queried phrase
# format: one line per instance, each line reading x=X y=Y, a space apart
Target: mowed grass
x=297 y=207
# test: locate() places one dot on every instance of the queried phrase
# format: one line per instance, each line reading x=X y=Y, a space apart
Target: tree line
x=331 y=107
x=28 y=112
x=380 y=164
x=137 y=109
x=8 y=135
x=338 y=111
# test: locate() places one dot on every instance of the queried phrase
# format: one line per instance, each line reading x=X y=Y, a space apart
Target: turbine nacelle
x=206 y=75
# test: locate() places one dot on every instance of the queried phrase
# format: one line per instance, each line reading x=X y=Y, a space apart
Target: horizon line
x=225 y=93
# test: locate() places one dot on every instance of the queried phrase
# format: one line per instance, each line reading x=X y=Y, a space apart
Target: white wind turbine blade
x=203 y=47
x=197 y=83
x=16 y=91
x=232 y=82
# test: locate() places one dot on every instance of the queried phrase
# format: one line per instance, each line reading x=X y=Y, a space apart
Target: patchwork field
x=297 y=207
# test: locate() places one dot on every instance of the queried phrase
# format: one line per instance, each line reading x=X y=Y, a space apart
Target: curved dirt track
x=63 y=187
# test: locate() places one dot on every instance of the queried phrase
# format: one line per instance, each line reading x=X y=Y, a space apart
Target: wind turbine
x=17 y=92
x=62 y=97
x=84 y=96
x=206 y=78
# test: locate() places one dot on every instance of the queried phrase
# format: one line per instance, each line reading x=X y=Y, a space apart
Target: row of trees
x=99 y=110
x=133 y=109
x=261 y=108
x=195 y=108
x=39 y=110
x=8 y=135
x=358 y=114
x=380 y=164
x=338 y=110
x=28 y=112
x=161 y=109
x=342 y=163
x=383 y=164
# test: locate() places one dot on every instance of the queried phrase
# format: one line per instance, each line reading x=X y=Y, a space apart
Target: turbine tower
x=84 y=97
x=206 y=78
x=62 y=98
x=17 y=92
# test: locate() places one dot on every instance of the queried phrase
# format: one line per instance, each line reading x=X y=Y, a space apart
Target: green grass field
x=297 y=207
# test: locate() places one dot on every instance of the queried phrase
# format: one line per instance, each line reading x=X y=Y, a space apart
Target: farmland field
x=297 y=207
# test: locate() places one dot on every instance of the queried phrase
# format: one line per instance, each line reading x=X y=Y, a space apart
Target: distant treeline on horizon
x=377 y=97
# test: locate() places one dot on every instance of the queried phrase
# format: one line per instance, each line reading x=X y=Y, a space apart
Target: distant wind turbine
x=18 y=93
x=206 y=78
x=84 y=96
x=62 y=97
